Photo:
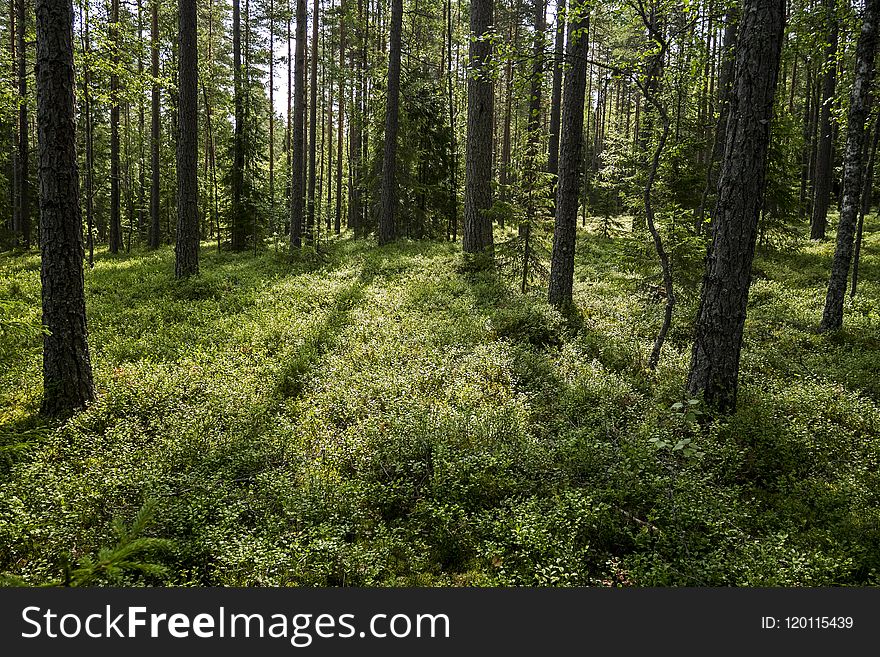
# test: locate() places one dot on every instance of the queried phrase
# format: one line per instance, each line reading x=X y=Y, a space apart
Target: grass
x=386 y=416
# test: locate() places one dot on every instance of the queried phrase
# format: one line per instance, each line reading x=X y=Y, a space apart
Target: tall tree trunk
x=115 y=214
x=853 y=171
x=388 y=209
x=714 y=369
x=299 y=110
x=824 y=163
x=452 y=224
x=141 y=121
x=356 y=125
x=67 y=370
x=341 y=127
x=13 y=155
x=90 y=138
x=272 y=117
x=313 y=126
x=239 y=221
x=477 y=233
x=24 y=194
x=187 y=245
x=556 y=95
x=154 y=126
x=328 y=219
x=570 y=156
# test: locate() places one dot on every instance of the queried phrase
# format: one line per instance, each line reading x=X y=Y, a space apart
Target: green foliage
x=392 y=417
x=112 y=565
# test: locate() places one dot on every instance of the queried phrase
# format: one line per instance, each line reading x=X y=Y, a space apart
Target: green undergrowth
x=394 y=416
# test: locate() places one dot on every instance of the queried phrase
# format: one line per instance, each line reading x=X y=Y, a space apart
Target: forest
x=439 y=293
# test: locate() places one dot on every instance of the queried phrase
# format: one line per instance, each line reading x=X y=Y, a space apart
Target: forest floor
x=385 y=416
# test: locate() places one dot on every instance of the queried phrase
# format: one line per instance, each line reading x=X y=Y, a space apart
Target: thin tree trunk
x=115 y=214
x=853 y=172
x=452 y=224
x=154 y=129
x=24 y=194
x=387 y=227
x=67 y=370
x=299 y=109
x=341 y=127
x=824 y=171
x=570 y=156
x=142 y=183
x=239 y=225
x=90 y=138
x=556 y=96
x=13 y=165
x=313 y=127
x=714 y=369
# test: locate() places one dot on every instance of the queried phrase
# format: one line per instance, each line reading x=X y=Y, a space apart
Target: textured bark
x=297 y=202
x=859 y=108
x=718 y=332
x=67 y=370
x=452 y=224
x=142 y=182
x=556 y=94
x=337 y=226
x=154 y=125
x=358 y=118
x=15 y=224
x=115 y=220
x=477 y=233
x=239 y=221
x=570 y=156
x=824 y=171
x=24 y=193
x=387 y=225
x=313 y=127
x=187 y=246
x=90 y=139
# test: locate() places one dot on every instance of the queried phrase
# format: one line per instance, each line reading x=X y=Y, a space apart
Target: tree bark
x=570 y=156
x=90 y=137
x=115 y=215
x=337 y=226
x=67 y=370
x=313 y=127
x=15 y=224
x=187 y=245
x=477 y=233
x=154 y=126
x=853 y=171
x=824 y=170
x=239 y=221
x=718 y=332
x=556 y=94
x=24 y=194
x=387 y=227
x=299 y=110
